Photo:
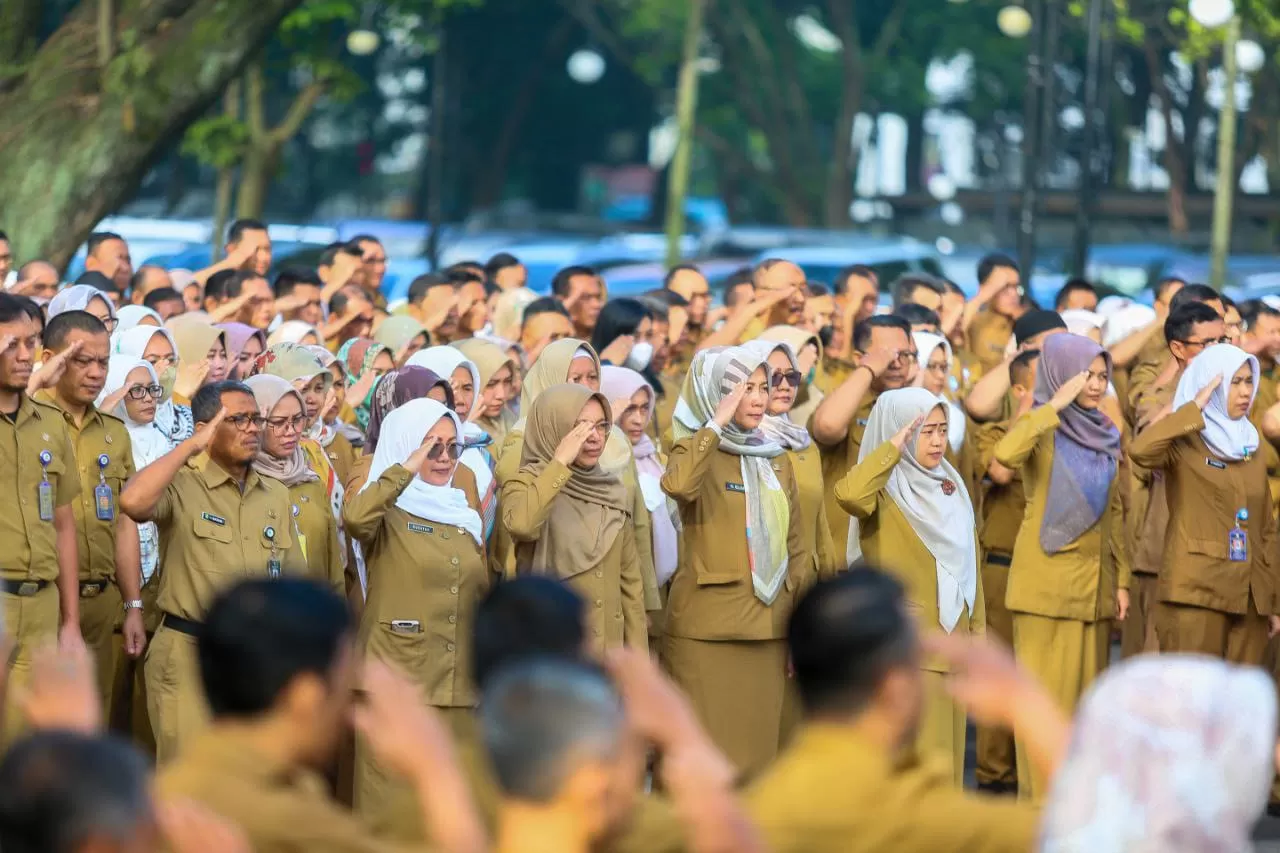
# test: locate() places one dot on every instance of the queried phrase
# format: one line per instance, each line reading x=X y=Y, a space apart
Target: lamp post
x=1224 y=192
x=1034 y=101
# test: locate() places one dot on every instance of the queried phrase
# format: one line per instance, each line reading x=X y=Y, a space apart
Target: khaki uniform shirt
x=281 y=809
x=1002 y=506
x=28 y=543
x=988 y=338
x=1267 y=396
x=1148 y=515
x=318 y=531
x=837 y=459
x=834 y=791
x=812 y=493
x=342 y=456
x=425 y=581
x=99 y=435
x=1080 y=581
x=712 y=592
x=1203 y=494
x=212 y=535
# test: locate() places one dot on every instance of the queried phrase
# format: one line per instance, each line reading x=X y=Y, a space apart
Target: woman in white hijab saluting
x=1218 y=576
x=914 y=517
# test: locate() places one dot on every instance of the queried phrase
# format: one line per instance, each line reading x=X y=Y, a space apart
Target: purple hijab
x=394 y=390
x=236 y=336
x=1086 y=445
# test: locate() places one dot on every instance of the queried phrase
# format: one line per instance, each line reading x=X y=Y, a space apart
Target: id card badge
x=273 y=564
x=103 y=499
x=1237 y=545
x=273 y=568
x=44 y=491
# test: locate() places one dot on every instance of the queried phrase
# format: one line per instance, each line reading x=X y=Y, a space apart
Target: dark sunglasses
x=792 y=378
x=452 y=449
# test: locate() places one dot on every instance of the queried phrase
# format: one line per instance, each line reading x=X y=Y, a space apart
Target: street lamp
x=1250 y=57
x=1212 y=14
x=1014 y=21
x=585 y=66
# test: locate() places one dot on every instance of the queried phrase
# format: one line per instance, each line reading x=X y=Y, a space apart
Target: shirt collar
x=91 y=412
x=215 y=475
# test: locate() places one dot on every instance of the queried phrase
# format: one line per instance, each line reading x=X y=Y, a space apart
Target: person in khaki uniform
x=1262 y=338
x=259 y=762
x=39 y=581
x=219 y=522
x=107 y=540
x=742 y=556
x=852 y=782
x=988 y=318
x=497 y=378
x=424 y=549
x=1070 y=572
x=886 y=360
x=1217 y=585
x=572 y=519
x=281 y=458
x=914 y=517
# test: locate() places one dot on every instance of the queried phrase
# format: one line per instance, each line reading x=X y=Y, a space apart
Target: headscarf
x=1227 y=438
x=194 y=337
x=621 y=383
x=1082 y=322
x=591 y=508
x=443 y=360
x=130 y=316
x=808 y=396
x=713 y=374
x=403 y=432
x=237 y=335
x=357 y=356
x=508 y=311
x=926 y=343
x=171 y=419
x=1086 y=445
x=291 y=362
x=268 y=391
x=944 y=522
x=489 y=359
x=324 y=432
x=1124 y=321
x=395 y=389
x=396 y=331
x=781 y=428
x=77 y=298
x=292 y=332
x=1168 y=753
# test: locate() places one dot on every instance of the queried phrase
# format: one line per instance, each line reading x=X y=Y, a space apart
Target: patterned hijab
x=713 y=374
x=293 y=470
x=399 y=330
x=395 y=389
x=237 y=335
x=1086 y=445
x=1169 y=754
x=357 y=356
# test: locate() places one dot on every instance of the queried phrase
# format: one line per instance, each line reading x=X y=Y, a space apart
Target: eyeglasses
x=279 y=425
x=906 y=357
x=244 y=422
x=936 y=367
x=791 y=377
x=1208 y=342
x=110 y=323
x=453 y=450
x=171 y=360
x=141 y=392
x=599 y=427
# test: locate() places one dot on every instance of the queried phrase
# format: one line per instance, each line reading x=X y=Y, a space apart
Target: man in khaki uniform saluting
x=39 y=484
x=109 y=570
x=219 y=523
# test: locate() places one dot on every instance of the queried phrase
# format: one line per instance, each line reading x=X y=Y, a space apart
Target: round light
x=884 y=210
x=1014 y=21
x=862 y=210
x=1071 y=118
x=941 y=187
x=1212 y=13
x=952 y=214
x=362 y=42
x=945 y=245
x=585 y=66
x=1250 y=57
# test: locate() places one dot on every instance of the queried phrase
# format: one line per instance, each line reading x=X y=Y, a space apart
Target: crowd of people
x=495 y=570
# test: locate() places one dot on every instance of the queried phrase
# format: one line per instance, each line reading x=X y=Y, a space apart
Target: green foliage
x=217 y=141
x=132 y=63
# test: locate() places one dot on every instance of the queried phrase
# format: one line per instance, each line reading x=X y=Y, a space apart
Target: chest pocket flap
x=206 y=529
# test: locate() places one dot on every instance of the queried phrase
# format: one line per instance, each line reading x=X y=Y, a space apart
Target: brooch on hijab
x=948 y=487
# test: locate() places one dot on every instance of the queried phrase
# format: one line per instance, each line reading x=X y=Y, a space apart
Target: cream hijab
x=944 y=522
x=193 y=337
x=268 y=391
x=488 y=359
x=591 y=508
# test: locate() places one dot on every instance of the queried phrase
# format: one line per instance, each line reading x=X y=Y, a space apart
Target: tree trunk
x=1174 y=164
x=256 y=172
x=225 y=185
x=79 y=162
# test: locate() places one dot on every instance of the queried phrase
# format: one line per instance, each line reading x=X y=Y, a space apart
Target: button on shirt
x=27 y=543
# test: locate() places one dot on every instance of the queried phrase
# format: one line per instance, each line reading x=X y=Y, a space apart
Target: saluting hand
x=878 y=360
x=203 y=436
x=1068 y=391
x=899 y=439
x=571 y=445
x=729 y=404
x=51 y=371
x=191 y=376
x=114 y=399
x=419 y=454
x=1206 y=393
x=362 y=386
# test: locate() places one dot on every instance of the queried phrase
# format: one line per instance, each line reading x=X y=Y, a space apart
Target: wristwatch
x=136 y=604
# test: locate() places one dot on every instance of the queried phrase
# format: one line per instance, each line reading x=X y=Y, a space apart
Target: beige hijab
x=489 y=359
x=591 y=508
x=193 y=337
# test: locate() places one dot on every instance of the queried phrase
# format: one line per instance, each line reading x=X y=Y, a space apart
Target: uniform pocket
x=716 y=578
x=205 y=528
x=403 y=649
x=1208 y=548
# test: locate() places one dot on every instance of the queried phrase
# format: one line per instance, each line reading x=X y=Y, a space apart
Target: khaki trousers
x=100 y=614
x=1138 y=630
x=1235 y=637
x=175 y=697
x=997 y=761
x=32 y=621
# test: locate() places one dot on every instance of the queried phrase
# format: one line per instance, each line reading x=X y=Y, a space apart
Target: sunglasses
x=791 y=377
x=453 y=450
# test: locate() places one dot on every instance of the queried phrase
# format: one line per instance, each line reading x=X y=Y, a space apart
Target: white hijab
x=403 y=431
x=134 y=343
x=131 y=316
x=926 y=343
x=443 y=360
x=944 y=523
x=77 y=298
x=1228 y=438
x=148 y=442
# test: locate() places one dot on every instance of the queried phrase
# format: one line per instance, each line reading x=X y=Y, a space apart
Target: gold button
x=595 y=631
x=453 y=589
x=599 y=574
x=453 y=560
x=452 y=619
x=449 y=646
x=445 y=535
x=599 y=603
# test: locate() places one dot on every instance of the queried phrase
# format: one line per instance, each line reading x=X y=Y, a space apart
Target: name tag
x=420 y=528
x=735 y=487
x=218 y=520
x=1215 y=463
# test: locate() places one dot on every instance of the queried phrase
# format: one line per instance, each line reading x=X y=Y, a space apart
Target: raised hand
x=330 y=402
x=571 y=445
x=420 y=453
x=362 y=387
x=51 y=371
x=766 y=299
x=203 y=436
x=1206 y=393
x=899 y=439
x=729 y=404
x=63 y=691
x=1069 y=390
x=191 y=376
x=879 y=359
x=618 y=349
x=114 y=399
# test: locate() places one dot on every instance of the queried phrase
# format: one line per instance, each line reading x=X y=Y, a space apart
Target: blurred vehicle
x=1131 y=268
x=700 y=213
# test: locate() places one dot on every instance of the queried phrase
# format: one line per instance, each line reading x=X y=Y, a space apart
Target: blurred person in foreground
x=851 y=780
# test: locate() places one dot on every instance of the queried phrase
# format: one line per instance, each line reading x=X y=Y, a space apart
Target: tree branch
x=254 y=108
x=302 y=105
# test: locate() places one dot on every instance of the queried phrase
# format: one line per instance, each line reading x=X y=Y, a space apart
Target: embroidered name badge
x=735 y=487
x=218 y=520
x=1214 y=463
x=420 y=528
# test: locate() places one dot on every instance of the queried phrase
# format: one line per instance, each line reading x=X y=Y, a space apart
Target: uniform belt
x=25 y=589
x=183 y=626
x=997 y=559
x=92 y=589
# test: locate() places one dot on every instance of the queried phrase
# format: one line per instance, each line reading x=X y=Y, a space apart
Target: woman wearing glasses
x=280 y=457
x=158 y=349
x=935 y=376
x=572 y=518
x=424 y=546
x=85 y=297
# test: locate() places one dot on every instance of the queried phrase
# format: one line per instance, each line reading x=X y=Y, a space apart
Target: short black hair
x=991 y=263
x=845 y=635
x=235 y=284
x=817 y=289
x=331 y=252
x=530 y=616
x=1193 y=293
x=363 y=238
x=419 y=286
x=1184 y=318
x=618 y=317
x=60 y=326
x=560 y=283
x=262 y=634
x=862 y=331
x=161 y=295
x=236 y=229
x=11 y=308
x=742 y=275
x=918 y=315
x=669 y=298
x=462 y=275
x=840 y=284
x=140 y=274
x=908 y=283
x=215 y=287
x=1163 y=285
x=1021 y=365
x=735 y=293
x=500 y=262
x=97 y=238
x=34 y=311
x=671 y=273
x=1252 y=309
x=953 y=288
x=543 y=305
x=207 y=402
x=293 y=276
x=98 y=280
x=1074 y=285
x=60 y=790
x=658 y=308
x=1228 y=303
x=4 y=236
